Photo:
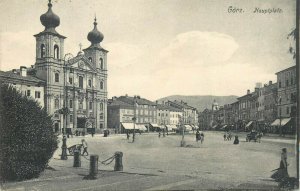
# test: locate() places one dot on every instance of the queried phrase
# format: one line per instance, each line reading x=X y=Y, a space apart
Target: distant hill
x=201 y=102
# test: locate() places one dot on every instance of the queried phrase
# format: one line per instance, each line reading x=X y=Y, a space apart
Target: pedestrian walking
x=224 y=137
x=197 y=135
x=202 y=137
x=282 y=172
x=127 y=135
x=236 y=140
x=159 y=134
x=85 y=147
x=229 y=136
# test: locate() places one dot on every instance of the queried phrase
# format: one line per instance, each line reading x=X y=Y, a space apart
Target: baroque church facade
x=78 y=83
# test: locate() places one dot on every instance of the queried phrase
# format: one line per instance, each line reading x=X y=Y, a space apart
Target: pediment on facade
x=82 y=63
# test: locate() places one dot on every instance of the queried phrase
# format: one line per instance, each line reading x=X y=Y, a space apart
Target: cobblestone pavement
x=152 y=163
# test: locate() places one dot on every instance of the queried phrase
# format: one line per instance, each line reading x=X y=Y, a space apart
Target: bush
x=27 y=140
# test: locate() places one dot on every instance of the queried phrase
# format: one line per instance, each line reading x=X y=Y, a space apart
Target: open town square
x=149 y=95
x=153 y=163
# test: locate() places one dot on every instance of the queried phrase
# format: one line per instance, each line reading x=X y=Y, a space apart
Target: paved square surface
x=153 y=163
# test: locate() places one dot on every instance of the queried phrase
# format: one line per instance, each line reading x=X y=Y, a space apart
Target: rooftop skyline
x=160 y=48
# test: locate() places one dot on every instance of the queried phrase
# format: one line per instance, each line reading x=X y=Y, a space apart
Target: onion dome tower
x=95 y=53
x=95 y=36
x=49 y=19
x=49 y=43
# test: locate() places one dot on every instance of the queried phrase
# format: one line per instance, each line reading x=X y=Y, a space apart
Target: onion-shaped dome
x=50 y=19
x=95 y=36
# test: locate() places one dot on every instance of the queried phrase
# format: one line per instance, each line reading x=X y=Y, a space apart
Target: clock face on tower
x=80 y=64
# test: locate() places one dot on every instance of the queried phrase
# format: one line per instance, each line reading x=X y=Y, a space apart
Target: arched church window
x=56 y=52
x=56 y=77
x=90 y=59
x=43 y=50
x=101 y=106
x=90 y=83
x=101 y=85
x=101 y=63
x=80 y=81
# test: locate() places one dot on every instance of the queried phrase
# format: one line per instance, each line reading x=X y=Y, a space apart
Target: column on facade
x=75 y=100
x=87 y=104
x=94 y=111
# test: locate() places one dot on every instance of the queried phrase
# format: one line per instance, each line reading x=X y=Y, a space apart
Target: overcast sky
x=162 y=47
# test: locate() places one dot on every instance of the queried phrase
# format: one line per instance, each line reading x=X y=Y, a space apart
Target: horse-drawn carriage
x=73 y=148
x=253 y=135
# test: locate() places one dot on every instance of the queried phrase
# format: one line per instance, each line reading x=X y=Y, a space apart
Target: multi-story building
x=190 y=116
x=145 y=110
x=244 y=110
x=286 y=99
x=119 y=112
x=270 y=112
x=163 y=115
x=78 y=83
x=26 y=84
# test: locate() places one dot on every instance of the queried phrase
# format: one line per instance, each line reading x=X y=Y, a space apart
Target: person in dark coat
x=197 y=136
x=236 y=140
x=282 y=172
x=224 y=137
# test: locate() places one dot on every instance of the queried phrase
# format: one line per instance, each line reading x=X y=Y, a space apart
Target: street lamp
x=182 y=143
x=65 y=111
x=133 y=135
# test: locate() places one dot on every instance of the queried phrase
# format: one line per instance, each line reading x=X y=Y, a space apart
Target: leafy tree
x=27 y=140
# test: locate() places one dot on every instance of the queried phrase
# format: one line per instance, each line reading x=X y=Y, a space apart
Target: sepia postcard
x=149 y=95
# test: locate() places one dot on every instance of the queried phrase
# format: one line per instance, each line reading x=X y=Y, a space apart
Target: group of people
x=199 y=136
x=227 y=136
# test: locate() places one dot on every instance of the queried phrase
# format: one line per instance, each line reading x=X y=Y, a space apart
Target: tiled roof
x=182 y=105
x=166 y=107
x=12 y=75
x=119 y=103
x=140 y=101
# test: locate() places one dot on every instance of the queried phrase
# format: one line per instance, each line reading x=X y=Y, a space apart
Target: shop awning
x=248 y=124
x=127 y=125
x=174 y=127
x=154 y=125
x=140 y=127
x=284 y=121
x=188 y=128
x=162 y=126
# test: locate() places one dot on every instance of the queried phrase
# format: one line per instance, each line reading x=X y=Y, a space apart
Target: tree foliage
x=27 y=140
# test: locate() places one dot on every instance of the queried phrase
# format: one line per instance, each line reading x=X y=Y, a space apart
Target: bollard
x=77 y=159
x=93 y=166
x=118 y=161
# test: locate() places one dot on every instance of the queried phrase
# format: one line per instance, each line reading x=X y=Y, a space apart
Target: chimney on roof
x=156 y=101
x=256 y=89
x=14 y=71
x=139 y=97
x=248 y=92
x=126 y=95
x=270 y=82
x=23 y=71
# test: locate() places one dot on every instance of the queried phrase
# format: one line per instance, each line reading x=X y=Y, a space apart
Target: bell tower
x=98 y=58
x=49 y=43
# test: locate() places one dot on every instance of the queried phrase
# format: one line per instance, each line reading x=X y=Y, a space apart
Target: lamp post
x=134 y=121
x=279 y=107
x=182 y=143
x=65 y=110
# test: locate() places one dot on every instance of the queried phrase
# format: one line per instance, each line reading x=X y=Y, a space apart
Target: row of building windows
x=37 y=94
x=80 y=80
x=80 y=105
x=287 y=83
